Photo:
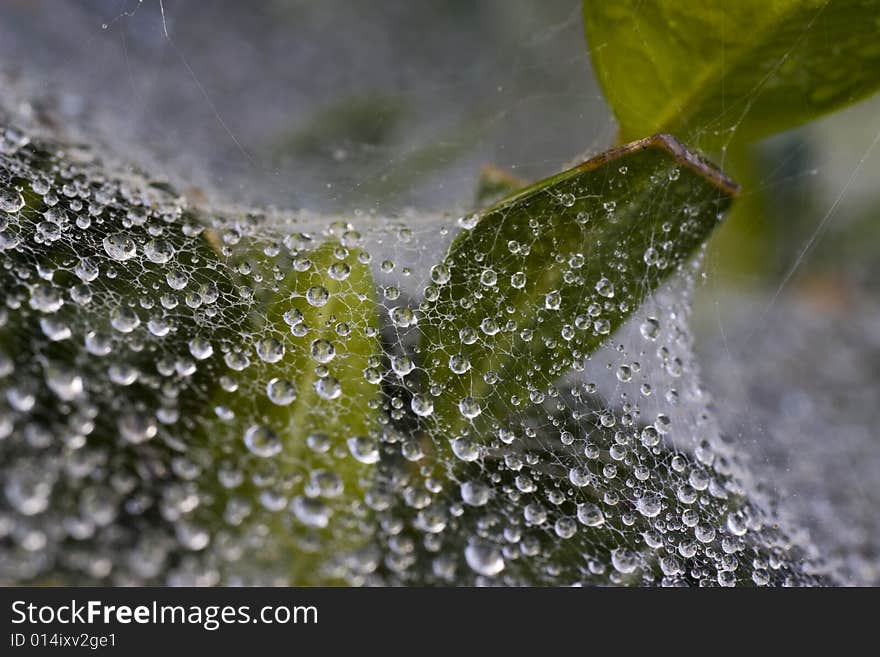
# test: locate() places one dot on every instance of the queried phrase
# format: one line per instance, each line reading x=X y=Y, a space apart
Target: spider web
x=178 y=412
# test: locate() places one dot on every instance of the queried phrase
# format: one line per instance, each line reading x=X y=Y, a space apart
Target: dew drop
x=323 y=351
x=422 y=405
x=158 y=251
x=365 y=450
x=475 y=493
x=10 y=200
x=119 y=246
x=317 y=295
x=469 y=407
x=262 y=441
x=270 y=350
x=484 y=559
x=280 y=391
x=465 y=449
x=590 y=515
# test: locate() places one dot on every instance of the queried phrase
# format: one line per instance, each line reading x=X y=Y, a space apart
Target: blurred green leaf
x=494 y=184
x=715 y=71
x=361 y=121
x=540 y=280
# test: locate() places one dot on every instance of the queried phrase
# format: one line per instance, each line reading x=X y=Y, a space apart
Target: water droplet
x=120 y=246
x=200 y=348
x=402 y=365
x=580 y=476
x=86 y=270
x=365 y=450
x=310 y=512
x=46 y=298
x=459 y=364
x=440 y=274
x=422 y=405
x=465 y=449
x=565 y=528
x=339 y=271
x=64 y=383
x=469 y=407
x=317 y=295
x=649 y=505
x=158 y=251
x=137 y=428
x=651 y=256
x=262 y=441
x=650 y=328
x=323 y=351
x=605 y=287
x=328 y=388
x=484 y=559
x=270 y=350
x=475 y=493
x=624 y=560
x=124 y=320
x=280 y=391
x=10 y=200
x=590 y=515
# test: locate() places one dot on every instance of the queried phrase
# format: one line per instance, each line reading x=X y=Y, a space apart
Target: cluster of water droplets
x=199 y=397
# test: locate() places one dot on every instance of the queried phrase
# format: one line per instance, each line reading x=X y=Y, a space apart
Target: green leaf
x=323 y=315
x=541 y=279
x=715 y=71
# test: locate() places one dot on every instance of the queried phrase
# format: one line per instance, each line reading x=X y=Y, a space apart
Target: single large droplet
x=624 y=560
x=650 y=329
x=323 y=351
x=64 y=383
x=136 y=427
x=465 y=449
x=262 y=441
x=484 y=559
x=158 y=251
x=590 y=515
x=119 y=246
x=402 y=365
x=124 y=320
x=422 y=405
x=200 y=348
x=605 y=287
x=365 y=450
x=281 y=391
x=469 y=407
x=475 y=493
x=552 y=300
x=270 y=350
x=328 y=388
x=46 y=298
x=649 y=505
x=317 y=295
x=310 y=512
x=10 y=200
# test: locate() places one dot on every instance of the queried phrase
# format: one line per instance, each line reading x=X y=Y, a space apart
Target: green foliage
x=563 y=263
x=714 y=72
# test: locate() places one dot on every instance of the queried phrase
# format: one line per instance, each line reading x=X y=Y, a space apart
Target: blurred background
x=335 y=106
